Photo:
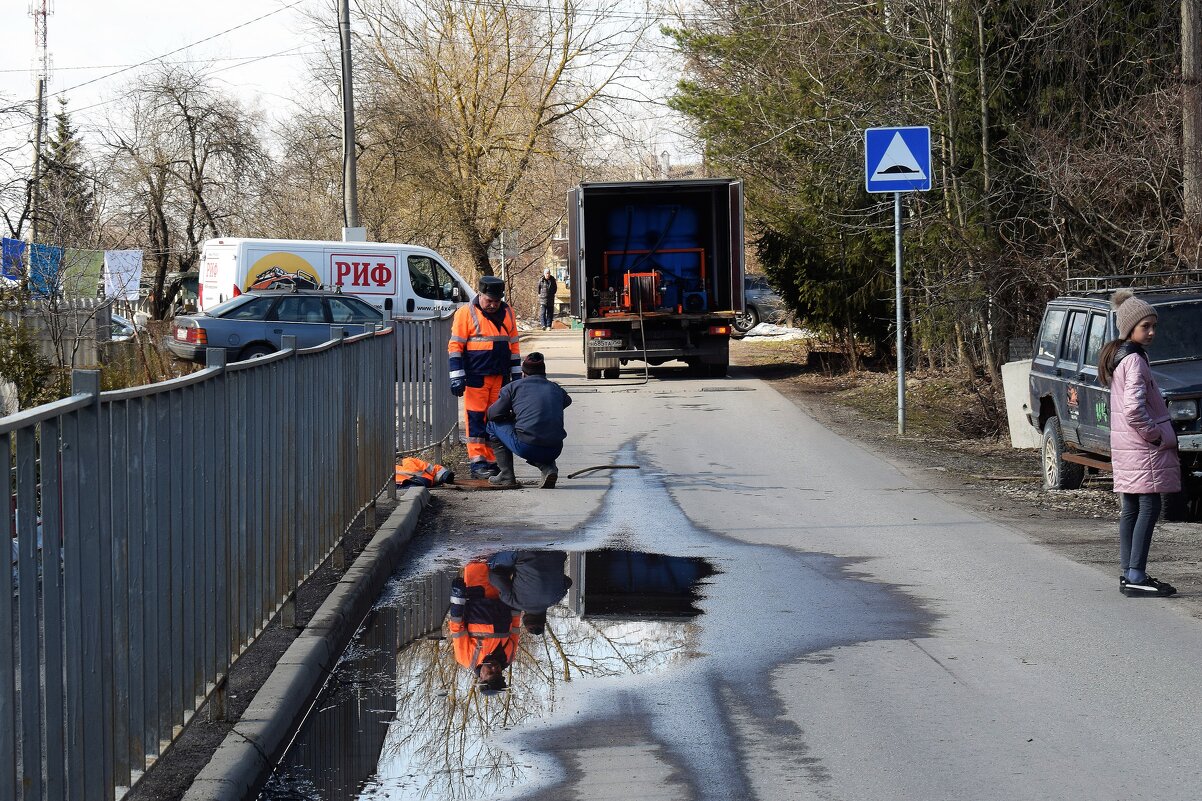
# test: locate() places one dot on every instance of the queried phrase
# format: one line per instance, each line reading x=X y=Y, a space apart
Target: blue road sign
x=897 y=159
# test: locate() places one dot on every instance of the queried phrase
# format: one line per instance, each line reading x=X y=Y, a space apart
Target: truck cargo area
x=657 y=271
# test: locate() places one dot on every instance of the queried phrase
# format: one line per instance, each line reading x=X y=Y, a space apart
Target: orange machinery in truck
x=656 y=271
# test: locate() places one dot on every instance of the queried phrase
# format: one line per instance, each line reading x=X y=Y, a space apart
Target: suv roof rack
x=1177 y=281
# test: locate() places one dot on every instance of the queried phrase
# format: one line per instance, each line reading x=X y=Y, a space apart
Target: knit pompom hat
x=1129 y=310
x=534 y=364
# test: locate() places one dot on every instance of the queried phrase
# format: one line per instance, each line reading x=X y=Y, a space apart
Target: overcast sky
x=90 y=40
x=95 y=46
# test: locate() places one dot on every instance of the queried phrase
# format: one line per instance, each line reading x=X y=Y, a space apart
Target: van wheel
x=592 y=373
x=612 y=372
x=1057 y=473
x=255 y=351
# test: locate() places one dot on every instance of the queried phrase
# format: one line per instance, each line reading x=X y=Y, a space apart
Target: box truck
x=656 y=271
x=404 y=281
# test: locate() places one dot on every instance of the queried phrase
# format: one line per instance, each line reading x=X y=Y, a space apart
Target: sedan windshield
x=232 y=303
x=1178 y=333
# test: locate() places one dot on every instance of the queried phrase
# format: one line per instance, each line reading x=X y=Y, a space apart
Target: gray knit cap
x=1129 y=310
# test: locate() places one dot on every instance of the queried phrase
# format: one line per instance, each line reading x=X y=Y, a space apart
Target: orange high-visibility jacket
x=485 y=623
x=479 y=348
x=414 y=472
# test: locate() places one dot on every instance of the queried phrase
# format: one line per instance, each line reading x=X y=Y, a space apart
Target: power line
x=181 y=49
x=182 y=61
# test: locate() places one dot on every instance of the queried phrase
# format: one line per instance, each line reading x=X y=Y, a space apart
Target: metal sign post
x=898 y=160
x=901 y=343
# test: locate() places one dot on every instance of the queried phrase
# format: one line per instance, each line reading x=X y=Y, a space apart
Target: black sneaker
x=1148 y=588
x=483 y=470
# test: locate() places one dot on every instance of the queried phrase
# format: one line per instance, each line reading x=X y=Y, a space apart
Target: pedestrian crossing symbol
x=897 y=159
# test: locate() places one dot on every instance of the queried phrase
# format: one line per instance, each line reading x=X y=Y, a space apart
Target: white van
x=401 y=280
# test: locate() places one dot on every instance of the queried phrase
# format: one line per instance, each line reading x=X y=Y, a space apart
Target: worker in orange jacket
x=484 y=630
x=484 y=356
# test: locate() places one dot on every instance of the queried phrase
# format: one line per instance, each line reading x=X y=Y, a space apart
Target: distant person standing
x=546 y=298
x=1143 y=445
x=527 y=420
x=484 y=356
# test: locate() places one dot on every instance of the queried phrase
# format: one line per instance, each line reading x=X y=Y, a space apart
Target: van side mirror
x=410 y=305
x=388 y=304
x=456 y=294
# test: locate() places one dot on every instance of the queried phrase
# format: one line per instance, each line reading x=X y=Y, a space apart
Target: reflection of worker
x=527 y=419
x=484 y=630
x=532 y=581
x=484 y=356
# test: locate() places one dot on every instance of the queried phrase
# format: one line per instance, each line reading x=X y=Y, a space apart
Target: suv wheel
x=1057 y=473
x=747 y=320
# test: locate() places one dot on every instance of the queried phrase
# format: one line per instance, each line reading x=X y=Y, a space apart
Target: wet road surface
x=762 y=611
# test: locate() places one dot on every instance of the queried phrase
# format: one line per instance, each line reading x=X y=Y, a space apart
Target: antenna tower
x=39 y=10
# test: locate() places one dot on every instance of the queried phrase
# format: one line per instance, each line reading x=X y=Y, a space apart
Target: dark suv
x=1071 y=408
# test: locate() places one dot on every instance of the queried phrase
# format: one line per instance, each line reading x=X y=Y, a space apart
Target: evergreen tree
x=67 y=214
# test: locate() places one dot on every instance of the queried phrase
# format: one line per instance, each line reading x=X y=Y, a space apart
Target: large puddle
x=658 y=647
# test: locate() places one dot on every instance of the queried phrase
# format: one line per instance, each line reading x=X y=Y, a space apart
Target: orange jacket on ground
x=414 y=472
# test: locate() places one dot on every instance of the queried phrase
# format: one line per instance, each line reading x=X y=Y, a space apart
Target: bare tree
x=16 y=154
x=191 y=164
x=465 y=103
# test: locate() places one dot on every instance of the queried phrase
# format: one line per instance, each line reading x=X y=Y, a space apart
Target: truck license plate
x=605 y=344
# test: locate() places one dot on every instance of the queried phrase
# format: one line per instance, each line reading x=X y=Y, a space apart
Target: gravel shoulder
x=983 y=474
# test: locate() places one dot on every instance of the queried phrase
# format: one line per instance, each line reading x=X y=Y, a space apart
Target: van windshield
x=1178 y=333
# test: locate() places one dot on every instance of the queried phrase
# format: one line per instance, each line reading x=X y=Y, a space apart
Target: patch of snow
x=779 y=333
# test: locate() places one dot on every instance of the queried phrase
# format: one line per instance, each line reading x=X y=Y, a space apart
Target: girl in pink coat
x=1143 y=446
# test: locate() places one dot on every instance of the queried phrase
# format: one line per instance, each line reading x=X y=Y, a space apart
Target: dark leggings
x=1136 y=521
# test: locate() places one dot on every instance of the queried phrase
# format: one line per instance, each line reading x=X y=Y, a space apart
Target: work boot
x=504 y=476
x=550 y=474
x=483 y=469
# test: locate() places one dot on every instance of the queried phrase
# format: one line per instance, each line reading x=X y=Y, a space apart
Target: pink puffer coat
x=1143 y=446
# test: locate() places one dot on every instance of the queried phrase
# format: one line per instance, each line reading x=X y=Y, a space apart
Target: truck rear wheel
x=718 y=370
x=592 y=373
x=612 y=372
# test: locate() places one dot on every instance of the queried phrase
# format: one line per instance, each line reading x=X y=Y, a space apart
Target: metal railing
x=427 y=412
x=157 y=530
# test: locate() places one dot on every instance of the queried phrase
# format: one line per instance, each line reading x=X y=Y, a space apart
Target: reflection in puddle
x=406 y=715
x=627 y=676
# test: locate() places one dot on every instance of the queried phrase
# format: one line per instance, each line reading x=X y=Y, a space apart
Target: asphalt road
x=861 y=638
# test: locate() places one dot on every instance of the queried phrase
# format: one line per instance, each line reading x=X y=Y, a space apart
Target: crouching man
x=527 y=420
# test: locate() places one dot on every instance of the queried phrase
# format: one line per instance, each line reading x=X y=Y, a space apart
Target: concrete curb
x=245 y=758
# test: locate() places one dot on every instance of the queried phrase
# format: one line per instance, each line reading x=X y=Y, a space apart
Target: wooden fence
x=70 y=332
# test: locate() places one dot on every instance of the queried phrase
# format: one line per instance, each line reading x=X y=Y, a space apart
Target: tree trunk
x=1191 y=110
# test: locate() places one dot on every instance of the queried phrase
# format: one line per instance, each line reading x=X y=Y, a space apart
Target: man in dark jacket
x=532 y=581
x=527 y=419
x=547 y=287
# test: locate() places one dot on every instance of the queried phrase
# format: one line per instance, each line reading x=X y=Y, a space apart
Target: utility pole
x=1191 y=111
x=39 y=10
x=350 y=189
